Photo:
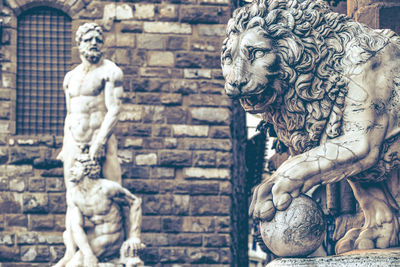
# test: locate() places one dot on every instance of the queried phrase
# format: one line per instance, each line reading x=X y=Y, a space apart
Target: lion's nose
x=234 y=88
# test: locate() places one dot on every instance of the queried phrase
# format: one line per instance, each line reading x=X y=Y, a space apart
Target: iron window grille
x=43 y=58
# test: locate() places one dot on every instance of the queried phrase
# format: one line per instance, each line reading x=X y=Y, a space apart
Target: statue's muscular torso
x=98 y=206
x=85 y=94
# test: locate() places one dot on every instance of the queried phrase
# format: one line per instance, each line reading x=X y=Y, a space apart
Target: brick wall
x=176 y=141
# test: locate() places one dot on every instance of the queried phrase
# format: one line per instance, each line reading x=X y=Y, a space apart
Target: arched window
x=44 y=56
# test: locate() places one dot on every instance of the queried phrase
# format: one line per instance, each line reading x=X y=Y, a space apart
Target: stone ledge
x=374 y=257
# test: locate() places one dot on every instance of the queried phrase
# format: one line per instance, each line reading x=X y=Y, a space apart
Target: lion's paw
x=378 y=236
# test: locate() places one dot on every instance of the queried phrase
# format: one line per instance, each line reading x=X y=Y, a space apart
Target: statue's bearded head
x=89 y=37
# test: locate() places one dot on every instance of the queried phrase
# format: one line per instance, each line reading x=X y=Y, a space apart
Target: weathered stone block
x=150 y=85
x=17 y=184
x=155 y=240
x=212 y=205
x=19 y=220
x=175 y=158
x=225 y=188
x=51 y=239
x=167 y=27
x=220 y=240
x=141 y=187
x=153 y=143
x=209 y=100
x=129 y=142
x=57 y=203
x=159 y=58
x=132 y=26
x=206 y=144
x=10 y=203
x=214 y=2
x=221 y=132
x=129 y=129
x=170 y=143
x=154 y=114
x=35 y=253
x=4 y=183
x=190 y=130
x=151 y=42
x=150 y=255
x=176 y=115
x=27 y=238
x=155 y=72
x=171 y=99
x=151 y=224
x=171 y=224
x=211 y=115
x=6 y=239
x=204 y=256
x=23 y=155
x=184 y=87
x=197 y=188
x=184 y=239
x=146 y=159
x=37 y=184
x=173 y=255
x=144 y=11
x=197 y=60
x=206 y=173
x=8 y=253
x=167 y=12
x=162 y=173
x=165 y=204
x=211 y=30
x=197 y=73
x=203 y=14
x=123 y=12
x=198 y=224
x=40 y=222
x=204 y=159
x=177 y=43
x=35 y=203
x=149 y=98
x=206 y=44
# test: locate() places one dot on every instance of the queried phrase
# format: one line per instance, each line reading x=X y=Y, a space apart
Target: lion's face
x=249 y=66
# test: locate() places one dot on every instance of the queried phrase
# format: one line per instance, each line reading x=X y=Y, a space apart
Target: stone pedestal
x=375 y=257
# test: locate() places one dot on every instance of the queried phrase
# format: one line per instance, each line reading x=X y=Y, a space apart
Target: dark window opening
x=44 y=56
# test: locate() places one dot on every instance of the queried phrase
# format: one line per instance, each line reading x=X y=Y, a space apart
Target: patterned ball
x=297 y=231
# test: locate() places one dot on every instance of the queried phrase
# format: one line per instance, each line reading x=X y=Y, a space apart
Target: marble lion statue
x=330 y=88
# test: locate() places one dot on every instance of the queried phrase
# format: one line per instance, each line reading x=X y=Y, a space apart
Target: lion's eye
x=259 y=53
x=228 y=60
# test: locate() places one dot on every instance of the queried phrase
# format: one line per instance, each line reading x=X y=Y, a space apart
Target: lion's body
x=331 y=89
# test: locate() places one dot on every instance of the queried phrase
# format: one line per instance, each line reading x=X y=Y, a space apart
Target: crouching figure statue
x=330 y=88
x=97 y=230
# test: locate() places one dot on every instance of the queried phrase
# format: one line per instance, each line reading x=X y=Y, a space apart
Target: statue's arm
x=123 y=195
x=67 y=77
x=113 y=91
x=356 y=150
x=133 y=243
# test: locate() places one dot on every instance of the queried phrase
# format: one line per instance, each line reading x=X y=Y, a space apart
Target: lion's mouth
x=256 y=103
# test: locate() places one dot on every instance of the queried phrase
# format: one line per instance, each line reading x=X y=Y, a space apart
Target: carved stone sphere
x=297 y=231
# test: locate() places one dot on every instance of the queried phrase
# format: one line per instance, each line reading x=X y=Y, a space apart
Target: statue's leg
x=381 y=224
x=69 y=245
x=68 y=159
x=77 y=260
x=111 y=167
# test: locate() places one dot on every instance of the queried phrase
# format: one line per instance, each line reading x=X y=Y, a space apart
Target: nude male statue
x=93 y=92
x=99 y=201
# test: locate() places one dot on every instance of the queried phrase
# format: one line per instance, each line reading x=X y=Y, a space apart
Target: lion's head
x=286 y=60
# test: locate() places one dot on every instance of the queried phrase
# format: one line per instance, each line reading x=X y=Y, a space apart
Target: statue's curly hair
x=310 y=41
x=85 y=28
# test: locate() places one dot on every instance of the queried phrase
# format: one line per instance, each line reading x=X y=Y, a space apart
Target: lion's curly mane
x=311 y=43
